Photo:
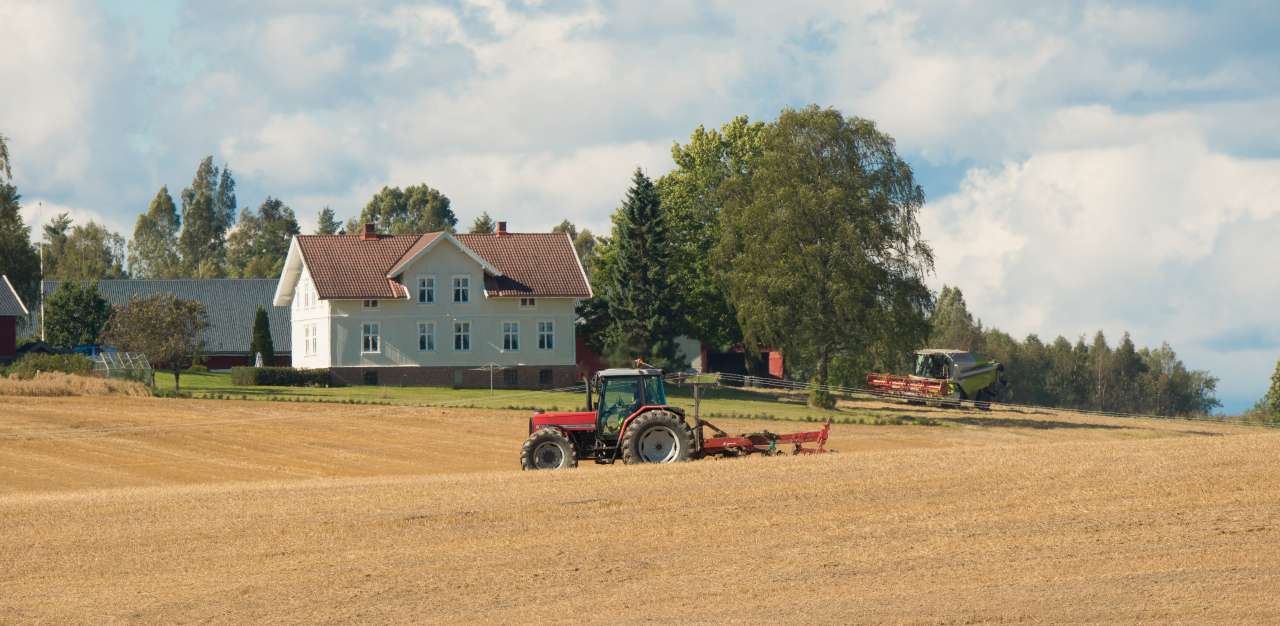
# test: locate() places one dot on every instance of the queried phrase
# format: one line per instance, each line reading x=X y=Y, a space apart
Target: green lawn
x=717 y=402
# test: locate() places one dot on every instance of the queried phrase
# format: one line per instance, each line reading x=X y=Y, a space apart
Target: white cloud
x=1151 y=232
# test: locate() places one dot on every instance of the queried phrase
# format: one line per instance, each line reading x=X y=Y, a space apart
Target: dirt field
x=237 y=512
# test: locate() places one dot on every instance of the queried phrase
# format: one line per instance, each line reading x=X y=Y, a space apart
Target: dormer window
x=370 y=304
x=527 y=303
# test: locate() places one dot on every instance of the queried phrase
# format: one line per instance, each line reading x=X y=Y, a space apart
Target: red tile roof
x=532 y=264
x=348 y=267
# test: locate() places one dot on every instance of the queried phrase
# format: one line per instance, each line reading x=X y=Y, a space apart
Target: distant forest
x=1092 y=376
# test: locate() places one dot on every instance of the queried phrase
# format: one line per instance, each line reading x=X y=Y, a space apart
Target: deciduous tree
x=416 y=209
x=821 y=247
x=75 y=314
x=163 y=327
x=259 y=243
x=483 y=225
x=208 y=209
x=153 y=251
x=712 y=165
x=18 y=258
x=89 y=252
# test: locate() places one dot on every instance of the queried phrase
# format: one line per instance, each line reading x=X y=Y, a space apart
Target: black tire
x=548 y=448
x=983 y=400
x=657 y=437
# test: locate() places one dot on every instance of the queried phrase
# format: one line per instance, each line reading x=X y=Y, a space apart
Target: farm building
x=436 y=308
x=11 y=308
x=230 y=303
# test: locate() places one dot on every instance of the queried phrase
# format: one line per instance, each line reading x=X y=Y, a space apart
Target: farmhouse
x=230 y=304
x=11 y=308
x=436 y=308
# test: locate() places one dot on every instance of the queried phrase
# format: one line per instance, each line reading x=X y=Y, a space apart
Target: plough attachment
x=766 y=443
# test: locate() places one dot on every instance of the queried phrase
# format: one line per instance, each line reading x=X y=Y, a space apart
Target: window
x=462 y=336
x=427 y=336
x=461 y=289
x=370 y=304
x=511 y=335
x=426 y=289
x=309 y=340
x=546 y=335
x=510 y=377
x=527 y=303
x=315 y=340
x=370 y=337
x=544 y=378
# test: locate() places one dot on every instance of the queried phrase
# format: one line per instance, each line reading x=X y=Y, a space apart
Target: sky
x=1089 y=166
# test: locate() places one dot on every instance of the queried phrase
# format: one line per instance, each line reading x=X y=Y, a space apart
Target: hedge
x=27 y=366
x=279 y=377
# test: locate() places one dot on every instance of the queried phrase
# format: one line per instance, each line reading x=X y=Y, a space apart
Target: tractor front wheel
x=657 y=437
x=547 y=448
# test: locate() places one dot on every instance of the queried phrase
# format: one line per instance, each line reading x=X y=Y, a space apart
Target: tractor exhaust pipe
x=588 y=381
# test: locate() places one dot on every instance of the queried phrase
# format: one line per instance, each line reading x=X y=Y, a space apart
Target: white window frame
x=374 y=347
x=427 y=330
x=546 y=335
x=461 y=331
x=427 y=289
x=513 y=334
x=370 y=304
x=315 y=339
x=528 y=303
x=461 y=285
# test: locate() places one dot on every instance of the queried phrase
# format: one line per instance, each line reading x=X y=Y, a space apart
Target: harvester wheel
x=657 y=437
x=547 y=448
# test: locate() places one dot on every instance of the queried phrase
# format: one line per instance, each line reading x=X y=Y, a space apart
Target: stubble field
x=148 y=510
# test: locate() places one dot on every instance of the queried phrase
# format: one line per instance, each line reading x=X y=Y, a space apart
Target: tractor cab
x=622 y=392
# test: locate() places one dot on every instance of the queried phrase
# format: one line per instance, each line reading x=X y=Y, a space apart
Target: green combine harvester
x=948 y=375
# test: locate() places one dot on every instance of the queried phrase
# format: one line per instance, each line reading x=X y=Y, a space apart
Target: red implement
x=767 y=443
x=907 y=385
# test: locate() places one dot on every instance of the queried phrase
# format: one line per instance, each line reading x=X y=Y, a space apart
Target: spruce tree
x=638 y=290
x=261 y=341
x=327 y=224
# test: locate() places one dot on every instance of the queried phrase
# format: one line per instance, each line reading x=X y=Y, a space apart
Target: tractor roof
x=625 y=371
x=941 y=351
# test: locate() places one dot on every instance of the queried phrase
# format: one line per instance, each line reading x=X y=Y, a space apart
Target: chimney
x=368 y=233
x=502 y=229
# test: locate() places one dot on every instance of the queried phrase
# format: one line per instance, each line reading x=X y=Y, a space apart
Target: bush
x=197 y=369
x=26 y=367
x=279 y=377
x=55 y=384
x=820 y=398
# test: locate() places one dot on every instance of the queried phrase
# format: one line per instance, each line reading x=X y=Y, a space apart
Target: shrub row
x=26 y=367
x=280 y=376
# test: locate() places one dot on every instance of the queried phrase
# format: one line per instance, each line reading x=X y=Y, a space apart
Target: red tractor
x=633 y=422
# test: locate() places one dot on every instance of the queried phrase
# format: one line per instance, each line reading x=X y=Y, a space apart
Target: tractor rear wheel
x=547 y=448
x=657 y=437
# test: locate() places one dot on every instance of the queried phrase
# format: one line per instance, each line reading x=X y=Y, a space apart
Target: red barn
x=11 y=308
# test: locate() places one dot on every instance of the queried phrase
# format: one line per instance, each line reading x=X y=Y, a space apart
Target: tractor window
x=619 y=398
x=653 y=391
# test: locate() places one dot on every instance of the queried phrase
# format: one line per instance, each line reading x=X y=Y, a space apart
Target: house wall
x=8 y=337
x=398 y=320
x=309 y=313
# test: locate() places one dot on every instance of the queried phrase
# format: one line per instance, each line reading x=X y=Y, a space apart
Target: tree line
x=1091 y=376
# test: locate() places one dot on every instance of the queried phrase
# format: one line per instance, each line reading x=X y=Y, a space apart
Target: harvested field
x=239 y=512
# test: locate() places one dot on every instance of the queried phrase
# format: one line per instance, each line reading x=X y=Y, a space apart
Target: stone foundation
x=516 y=377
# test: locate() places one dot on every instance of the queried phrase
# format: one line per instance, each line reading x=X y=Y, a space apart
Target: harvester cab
x=632 y=421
